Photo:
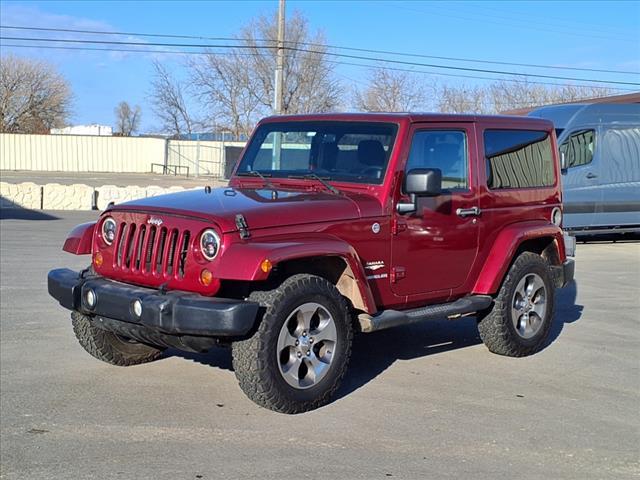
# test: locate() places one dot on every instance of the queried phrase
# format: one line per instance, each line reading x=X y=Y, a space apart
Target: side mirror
x=424 y=182
x=421 y=182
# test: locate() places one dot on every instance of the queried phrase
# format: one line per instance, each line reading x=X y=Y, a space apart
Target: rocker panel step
x=394 y=318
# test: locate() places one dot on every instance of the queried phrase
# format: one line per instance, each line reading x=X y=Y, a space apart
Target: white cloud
x=23 y=15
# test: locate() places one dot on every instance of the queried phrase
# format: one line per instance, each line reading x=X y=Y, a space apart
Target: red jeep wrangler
x=331 y=224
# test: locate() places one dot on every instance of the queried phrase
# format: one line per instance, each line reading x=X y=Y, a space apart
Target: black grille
x=152 y=250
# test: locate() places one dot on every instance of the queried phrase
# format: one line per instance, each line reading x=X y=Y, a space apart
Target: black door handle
x=591 y=175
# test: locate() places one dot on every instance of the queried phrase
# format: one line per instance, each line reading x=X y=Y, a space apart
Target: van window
x=443 y=149
x=621 y=148
x=518 y=159
x=578 y=148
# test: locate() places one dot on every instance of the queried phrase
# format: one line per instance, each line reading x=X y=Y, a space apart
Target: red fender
x=504 y=249
x=241 y=261
x=79 y=240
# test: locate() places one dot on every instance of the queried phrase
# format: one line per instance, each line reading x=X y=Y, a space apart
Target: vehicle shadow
x=375 y=352
x=567 y=310
x=12 y=211
x=218 y=357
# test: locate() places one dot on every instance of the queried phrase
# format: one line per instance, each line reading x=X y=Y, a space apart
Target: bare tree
x=391 y=91
x=227 y=88
x=238 y=87
x=309 y=83
x=127 y=119
x=34 y=97
x=168 y=103
x=462 y=99
x=504 y=95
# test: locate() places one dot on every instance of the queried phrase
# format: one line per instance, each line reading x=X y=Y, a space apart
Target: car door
x=581 y=181
x=434 y=248
x=619 y=156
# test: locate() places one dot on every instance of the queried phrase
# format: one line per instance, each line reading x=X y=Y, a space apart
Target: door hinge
x=398 y=225
x=397 y=273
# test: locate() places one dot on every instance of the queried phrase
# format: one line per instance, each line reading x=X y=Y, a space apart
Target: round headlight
x=109 y=230
x=556 y=217
x=209 y=244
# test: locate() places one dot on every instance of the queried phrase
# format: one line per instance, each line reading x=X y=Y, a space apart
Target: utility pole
x=279 y=88
x=279 y=79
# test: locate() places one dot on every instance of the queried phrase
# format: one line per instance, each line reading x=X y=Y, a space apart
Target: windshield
x=343 y=151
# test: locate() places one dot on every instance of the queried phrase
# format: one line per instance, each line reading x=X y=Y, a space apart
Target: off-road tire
x=496 y=327
x=109 y=347
x=255 y=359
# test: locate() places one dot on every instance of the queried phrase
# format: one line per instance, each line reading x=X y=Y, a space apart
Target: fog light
x=266 y=265
x=137 y=308
x=90 y=298
x=206 y=277
x=97 y=259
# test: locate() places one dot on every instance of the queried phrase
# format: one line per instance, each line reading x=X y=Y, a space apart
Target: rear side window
x=578 y=148
x=518 y=159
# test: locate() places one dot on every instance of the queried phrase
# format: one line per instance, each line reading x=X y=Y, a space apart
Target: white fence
x=80 y=153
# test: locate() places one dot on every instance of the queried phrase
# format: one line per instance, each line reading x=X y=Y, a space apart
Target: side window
x=622 y=149
x=443 y=149
x=518 y=159
x=578 y=148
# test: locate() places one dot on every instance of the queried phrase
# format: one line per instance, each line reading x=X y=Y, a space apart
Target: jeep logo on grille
x=154 y=221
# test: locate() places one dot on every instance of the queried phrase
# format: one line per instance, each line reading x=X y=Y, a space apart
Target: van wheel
x=296 y=359
x=519 y=322
x=110 y=347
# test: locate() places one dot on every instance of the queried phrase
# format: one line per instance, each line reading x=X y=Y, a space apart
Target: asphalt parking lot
x=425 y=401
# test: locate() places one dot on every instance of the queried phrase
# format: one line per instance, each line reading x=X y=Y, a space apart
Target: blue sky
x=600 y=35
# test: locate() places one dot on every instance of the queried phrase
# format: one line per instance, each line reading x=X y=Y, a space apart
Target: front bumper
x=170 y=313
x=564 y=274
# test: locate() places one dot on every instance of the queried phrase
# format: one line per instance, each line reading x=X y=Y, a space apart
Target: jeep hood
x=262 y=208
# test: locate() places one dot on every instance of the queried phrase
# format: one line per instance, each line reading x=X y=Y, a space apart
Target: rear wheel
x=110 y=347
x=296 y=359
x=519 y=322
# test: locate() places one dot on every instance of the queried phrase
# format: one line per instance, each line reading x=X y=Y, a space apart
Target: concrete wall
x=53 y=196
x=81 y=153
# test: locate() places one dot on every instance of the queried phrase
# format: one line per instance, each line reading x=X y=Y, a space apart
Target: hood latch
x=243 y=228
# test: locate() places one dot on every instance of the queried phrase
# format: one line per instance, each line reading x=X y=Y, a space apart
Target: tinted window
x=518 y=159
x=346 y=151
x=621 y=149
x=443 y=149
x=578 y=148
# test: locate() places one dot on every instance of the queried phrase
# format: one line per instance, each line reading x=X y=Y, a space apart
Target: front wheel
x=519 y=322
x=111 y=347
x=296 y=359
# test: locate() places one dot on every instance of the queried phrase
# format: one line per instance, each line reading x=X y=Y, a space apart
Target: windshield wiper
x=322 y=180
x=256 y=173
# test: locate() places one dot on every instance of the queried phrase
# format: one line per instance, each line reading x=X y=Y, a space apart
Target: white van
x=601 y=169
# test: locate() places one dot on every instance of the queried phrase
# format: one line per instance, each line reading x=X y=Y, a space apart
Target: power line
x=335 y=62
x=511 y=15
x=337 y=47
x=340 y=55
x=528 y=26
